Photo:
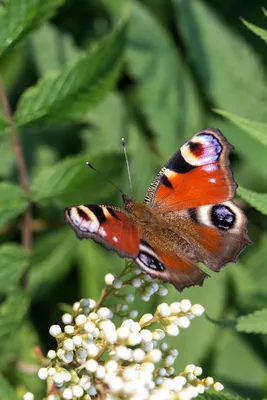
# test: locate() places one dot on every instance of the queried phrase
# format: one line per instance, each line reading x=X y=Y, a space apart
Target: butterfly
x=187 y=216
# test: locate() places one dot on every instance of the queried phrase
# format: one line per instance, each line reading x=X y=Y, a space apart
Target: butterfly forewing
x=198 y=174
x=114 y=228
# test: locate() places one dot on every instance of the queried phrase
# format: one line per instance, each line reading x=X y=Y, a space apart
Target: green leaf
x=45 y=156
x=11 y=66
x=22 y=349
x=248 y=284
x=212 y=395
x=51 y=260
x=78 y=86
x=21 y=17
x=6 y=156
x=262 y=33
x=3 y=123
x=255 y=129
x=117 y=8
x=231 y=73
x=222 y=323
x=94 y=262
x=12 y=313
x=62 y=178
x=166 y=91
x=253 y=323
x=71 y=181
x=144 y=165
x=251 y=280
x=102 y=136
x=52 y=48
x=13 y=262
x=235 y=361
x=251 y=153
x=6 y=390
x=195 y=348
x=256 y=200
x=12 y=201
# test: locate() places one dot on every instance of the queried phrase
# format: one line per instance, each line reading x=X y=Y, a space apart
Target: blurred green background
x=152 y=71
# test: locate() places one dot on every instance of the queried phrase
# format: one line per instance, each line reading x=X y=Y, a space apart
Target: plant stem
x=26 y=234
x=23 y=175
x=104 y=294
x=151 y=321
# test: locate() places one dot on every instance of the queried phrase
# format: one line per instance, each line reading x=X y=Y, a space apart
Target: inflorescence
x=108 y=353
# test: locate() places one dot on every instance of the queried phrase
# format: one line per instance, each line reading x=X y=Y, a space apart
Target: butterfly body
x=187 y=216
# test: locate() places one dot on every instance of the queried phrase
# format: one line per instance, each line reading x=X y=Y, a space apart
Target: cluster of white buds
x=130 y=360
x=146 y=285
x=141 y=282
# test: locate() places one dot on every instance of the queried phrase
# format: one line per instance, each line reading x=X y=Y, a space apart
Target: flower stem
x=107 y=293
x=151 y=321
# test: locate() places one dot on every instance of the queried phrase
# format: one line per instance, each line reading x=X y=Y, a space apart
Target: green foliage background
x=81 y=75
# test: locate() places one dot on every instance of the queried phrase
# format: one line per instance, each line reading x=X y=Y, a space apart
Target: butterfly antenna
x=127 y=165
x=100 y=173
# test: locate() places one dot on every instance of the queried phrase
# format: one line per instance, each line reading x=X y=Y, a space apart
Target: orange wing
x=114 y=228
x=175 y=268
x=198 y=174
x=213 y=234
x=216 y=233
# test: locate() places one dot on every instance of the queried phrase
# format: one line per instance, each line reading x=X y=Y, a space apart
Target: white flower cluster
x=140 y=281
x=129 y=361
x=146 y=285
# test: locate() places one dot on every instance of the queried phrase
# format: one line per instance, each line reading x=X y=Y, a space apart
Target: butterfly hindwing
x=216 y=233
x=229 y=224
x=178 y=269
x=198 y=174
x=112 y=227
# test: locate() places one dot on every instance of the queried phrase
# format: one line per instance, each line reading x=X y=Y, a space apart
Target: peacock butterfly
x=187 y=216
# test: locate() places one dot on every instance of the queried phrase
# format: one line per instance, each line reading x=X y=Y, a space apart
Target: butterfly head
x=127 y=202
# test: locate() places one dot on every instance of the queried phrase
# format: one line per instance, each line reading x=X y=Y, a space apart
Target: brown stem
x=149 y=322
x=23 y=175
x=27 y=368
x=26 y=234
x=104 y=294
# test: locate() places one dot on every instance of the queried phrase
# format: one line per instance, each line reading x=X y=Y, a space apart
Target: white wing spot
x=115 y=239
x=210 y=167
x=93 y=227
x=102 y=232
x=212 y=180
